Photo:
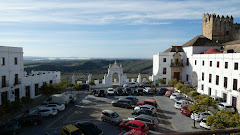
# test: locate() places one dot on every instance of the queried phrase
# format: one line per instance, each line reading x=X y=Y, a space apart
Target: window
x=210 y=78
x=234 y=84
x=225 y=82
x=4 y=84
x=226 y=32
x=16 y=79
x=2 y=61
x=210 y=63
x=235 y=66
x=187 y=62
x=164 y=59
x=217 y=80
x=187 y=78
x=203 y=62
x=202 y=76
x=36 y=90
x=195 y=62
x=217 y=64
x=226 y=65
x=15 y=61
x=164 y=71
x=202 y=86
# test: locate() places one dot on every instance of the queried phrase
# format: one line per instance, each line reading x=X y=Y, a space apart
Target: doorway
x=17 y=94
x=177 y=75
x=224 y=97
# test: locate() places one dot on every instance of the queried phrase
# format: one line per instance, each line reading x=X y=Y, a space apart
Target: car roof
x=71 y=127
x=137 y=122
x=124 y=99
x=108 y=111
x=145 y=116
x=146 y=105
x=150 y=100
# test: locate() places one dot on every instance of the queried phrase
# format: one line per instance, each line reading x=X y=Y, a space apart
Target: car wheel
x=102 y=119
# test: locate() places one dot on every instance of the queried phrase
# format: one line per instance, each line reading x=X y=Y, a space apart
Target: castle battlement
x=213 y=17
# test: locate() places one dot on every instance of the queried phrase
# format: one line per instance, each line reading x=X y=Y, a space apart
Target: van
x=61 y=98
x=71 y=130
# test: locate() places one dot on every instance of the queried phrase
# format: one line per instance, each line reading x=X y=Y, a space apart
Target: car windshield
x=77 y=132
x=185 y=108
x=229 y=107
x=115 y=115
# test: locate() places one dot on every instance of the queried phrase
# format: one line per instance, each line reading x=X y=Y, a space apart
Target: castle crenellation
x=220 y=29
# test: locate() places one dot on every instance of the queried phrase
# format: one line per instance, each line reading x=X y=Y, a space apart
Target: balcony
x=176 y=63
x=17 y=81
x=5 y=84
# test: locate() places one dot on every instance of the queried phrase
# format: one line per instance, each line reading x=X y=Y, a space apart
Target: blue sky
x=104 y=28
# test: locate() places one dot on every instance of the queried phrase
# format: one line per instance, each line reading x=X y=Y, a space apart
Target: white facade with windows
x=15 y=83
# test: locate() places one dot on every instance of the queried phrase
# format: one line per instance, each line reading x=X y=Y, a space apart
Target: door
x=177 y=75
x=27 y=88
x=209 y=91
x=17 y=94
x=4 y=97
x=234 y=102
x=224 y=97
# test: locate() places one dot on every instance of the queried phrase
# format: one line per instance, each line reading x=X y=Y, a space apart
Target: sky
x=105 y=28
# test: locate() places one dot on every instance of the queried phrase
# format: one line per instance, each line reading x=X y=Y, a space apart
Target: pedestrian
x=155 y=90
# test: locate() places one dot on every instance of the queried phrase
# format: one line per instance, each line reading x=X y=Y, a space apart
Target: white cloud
x=111 y=12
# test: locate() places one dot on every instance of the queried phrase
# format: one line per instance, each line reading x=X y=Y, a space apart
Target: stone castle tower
x=220 y=29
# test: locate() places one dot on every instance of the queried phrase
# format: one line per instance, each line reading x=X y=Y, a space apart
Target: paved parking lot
x=89 y=107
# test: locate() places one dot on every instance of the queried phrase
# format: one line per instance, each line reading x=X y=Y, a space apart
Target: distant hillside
x=95 y=66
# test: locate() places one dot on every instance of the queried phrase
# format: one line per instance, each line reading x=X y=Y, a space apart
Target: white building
x=207 y=65
x=15 y=83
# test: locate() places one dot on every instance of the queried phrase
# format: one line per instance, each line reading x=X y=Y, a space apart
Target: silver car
x=149 y=120
x=111 y=116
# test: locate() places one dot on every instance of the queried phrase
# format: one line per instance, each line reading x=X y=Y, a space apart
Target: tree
x=26 y=101
x=193 y=94
x=179 y=86
x=172 y=82
x=207 y=102
x=162 y=81
x=78 y=86
x=224 y=119
x=91 y=83
x=196 y=108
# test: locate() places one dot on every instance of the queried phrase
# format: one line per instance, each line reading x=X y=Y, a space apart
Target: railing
x=17 y=81
x=176 y=64
x=5 y=84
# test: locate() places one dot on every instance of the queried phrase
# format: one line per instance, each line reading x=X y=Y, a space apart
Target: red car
x=151 y=102
x=185 y=110
x=169 y=93
x=133 y=132
x=134 y=124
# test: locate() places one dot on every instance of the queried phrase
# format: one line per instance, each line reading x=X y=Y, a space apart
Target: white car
x=131 y=84
x=110 y=91
x=58 y=107
x=200 y=115
x=179 y=104
x=148 y=90
x=174 y=95
x=225 y=106
x=45 y=112
x=149 y=107
x=203 y=124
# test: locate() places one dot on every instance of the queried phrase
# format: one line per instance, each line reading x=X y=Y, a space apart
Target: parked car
x=149 y=102
x=198 y=116
x=179 y=104
x=111 y=116
x=185 y=110
x=149 y=120
x=10 y=128
x=131 y=84
x=88 y=128
x=203 y=124
x=100 y=93
x=85 y=86
x=145 y=84
x=217 y=98
x=178 y=98
x=133 y=124
x=45 y=112
x=71 y=130
x=225 y=106
x=120 y=92
x=128 y=91
x=143 y=111
x=139 y=91
x=59 y=107
x=162 y=91
x=149 y=107
x=169 y=93
x=122 y=103
x=133 y=99
x=174 y=95
x=148 y=90
x=133 y=132
x=30 y=119
x=110 y=91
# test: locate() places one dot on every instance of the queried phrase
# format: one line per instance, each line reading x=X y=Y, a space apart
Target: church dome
x=212 y=51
